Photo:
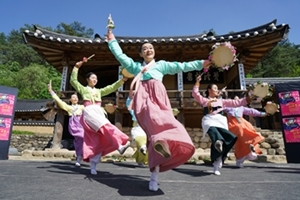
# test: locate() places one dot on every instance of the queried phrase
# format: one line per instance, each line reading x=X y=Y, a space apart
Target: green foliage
x=23 y=68
x=16 y=132
x=32 y=82
x=75 y=29
x=7 y=77
x=282 y=61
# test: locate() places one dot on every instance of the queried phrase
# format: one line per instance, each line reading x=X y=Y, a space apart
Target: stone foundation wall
x=273 y=144
x=30 y=142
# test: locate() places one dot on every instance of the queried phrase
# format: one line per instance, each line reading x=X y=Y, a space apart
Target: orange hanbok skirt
x=246 y=135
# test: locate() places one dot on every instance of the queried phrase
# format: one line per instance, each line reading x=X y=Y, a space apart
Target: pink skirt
x=154 y=114
x=107 y=139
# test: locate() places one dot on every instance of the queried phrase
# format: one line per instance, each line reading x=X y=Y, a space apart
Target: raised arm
x=74 y=78
x=236 y=103
x=63 y=105
x=196 y=94
x=253 y=112
x=111 y=88
x=176 y=67
x=123 y=59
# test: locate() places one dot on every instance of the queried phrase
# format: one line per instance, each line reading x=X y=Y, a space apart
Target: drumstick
x=86 y=59
x=91 y=56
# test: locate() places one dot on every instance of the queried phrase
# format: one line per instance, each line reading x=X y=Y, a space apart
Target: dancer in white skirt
x=215 y=124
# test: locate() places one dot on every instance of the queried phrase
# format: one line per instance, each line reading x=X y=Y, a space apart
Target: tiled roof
x=61 y=50
x=62 y=38
x=31 y=105
x=271 y=80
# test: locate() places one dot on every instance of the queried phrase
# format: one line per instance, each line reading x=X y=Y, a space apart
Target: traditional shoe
x=239 y=164
x=142 y=165
x=123 y=148
x=77 y=164
x=219 y=146
x=93 y=172
x=162 y=149
x=216 y=171
x=153 y=186
x=143 y=150
x=252 y=148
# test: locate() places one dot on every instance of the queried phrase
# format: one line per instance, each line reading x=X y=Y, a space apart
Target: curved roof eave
x=270 y=27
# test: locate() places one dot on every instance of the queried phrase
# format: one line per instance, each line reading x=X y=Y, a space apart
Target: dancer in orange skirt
x=246 y=146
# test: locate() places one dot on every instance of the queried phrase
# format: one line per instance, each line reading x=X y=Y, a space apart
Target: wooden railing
x=181 y=99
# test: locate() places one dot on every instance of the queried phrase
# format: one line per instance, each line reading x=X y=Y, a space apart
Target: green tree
x=32 y=82
x=282 y=61
x=22 y=67
x=75 y=29
x=7 y=77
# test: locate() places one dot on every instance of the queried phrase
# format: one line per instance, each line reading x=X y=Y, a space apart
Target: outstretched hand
x=206 y=65
x=223 y=90
x=110 y=36
x=199 y=78
x=265 y=114
x=79 y=64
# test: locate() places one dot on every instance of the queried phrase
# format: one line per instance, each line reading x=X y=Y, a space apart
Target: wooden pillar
x=65 y=79
x=181 y=118
x=58 y=130
x=242 y=77
x=118 y=114
x=119 y=120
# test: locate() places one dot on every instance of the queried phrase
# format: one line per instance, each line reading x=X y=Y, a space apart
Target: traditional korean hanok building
x=30 y=115
x=63 y=51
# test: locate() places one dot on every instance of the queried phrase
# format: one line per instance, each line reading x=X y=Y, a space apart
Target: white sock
x=153 y=184
x=93 y=168
x=94 y=160
x=78 y=159
x=251 y=156
x=239 y=162
x=220 y=162
x=216 y=171
x=217 y=164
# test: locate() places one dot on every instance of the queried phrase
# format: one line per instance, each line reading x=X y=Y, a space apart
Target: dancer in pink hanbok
x=100 y=137
x=214 y=123
x=75 y=128
x=168 y=142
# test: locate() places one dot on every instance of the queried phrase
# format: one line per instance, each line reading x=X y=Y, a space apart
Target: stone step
x=199 y=155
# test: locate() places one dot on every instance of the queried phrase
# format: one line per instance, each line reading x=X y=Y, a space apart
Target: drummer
x=215 y=124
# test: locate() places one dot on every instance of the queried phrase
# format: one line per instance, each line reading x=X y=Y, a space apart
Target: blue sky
x=154 y=17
